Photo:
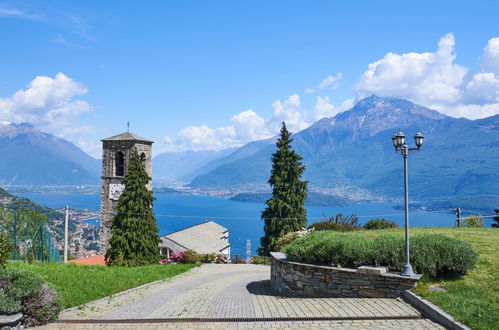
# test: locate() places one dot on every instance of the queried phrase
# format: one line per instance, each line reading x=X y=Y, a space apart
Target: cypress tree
x=285 y=211
x=134 y=232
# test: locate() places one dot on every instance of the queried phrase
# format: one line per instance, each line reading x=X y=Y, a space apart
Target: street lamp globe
x=400 y=139
x=418 y=139
x=394 y=141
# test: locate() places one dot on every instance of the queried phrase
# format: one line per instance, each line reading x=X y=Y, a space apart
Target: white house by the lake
x=205 y=238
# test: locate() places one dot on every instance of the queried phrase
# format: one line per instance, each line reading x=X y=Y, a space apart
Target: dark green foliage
x=390 y=252
x=5 y=250
x=431 y=254
x=439 y=254
x=26 y=292
x=338 y=223
x=379 y=223
x=134 y=232
x=496 y=219
x=285 y=210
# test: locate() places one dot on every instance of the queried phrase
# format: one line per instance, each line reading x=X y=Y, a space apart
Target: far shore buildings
x=205 y=238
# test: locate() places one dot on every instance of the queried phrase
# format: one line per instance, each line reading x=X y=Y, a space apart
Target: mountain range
x=32 y=157
x=459 y=157
x=345 y=155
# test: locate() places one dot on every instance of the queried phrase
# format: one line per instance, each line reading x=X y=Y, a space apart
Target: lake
x=174 y=212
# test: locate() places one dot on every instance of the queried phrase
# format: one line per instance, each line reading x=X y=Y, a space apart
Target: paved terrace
x=235 y=292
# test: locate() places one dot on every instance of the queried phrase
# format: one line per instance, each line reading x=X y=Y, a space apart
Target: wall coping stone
x=372 y=270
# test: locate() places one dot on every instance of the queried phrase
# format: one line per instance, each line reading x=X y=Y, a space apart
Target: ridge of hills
x=353 y=149
x=32 y=157
x=347 y=155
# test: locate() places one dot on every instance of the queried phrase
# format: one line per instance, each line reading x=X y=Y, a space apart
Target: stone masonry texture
x=306 y=280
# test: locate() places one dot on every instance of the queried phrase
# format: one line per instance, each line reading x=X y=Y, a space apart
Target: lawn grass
x=472 y=299
x=78 y=284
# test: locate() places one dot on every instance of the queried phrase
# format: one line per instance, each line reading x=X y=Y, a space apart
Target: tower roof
x=127 y=136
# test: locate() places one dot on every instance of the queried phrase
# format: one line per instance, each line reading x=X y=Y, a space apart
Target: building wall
x=167 y=243
x=108 y=205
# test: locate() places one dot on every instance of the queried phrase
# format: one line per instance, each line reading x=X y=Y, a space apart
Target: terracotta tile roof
x=94 y=260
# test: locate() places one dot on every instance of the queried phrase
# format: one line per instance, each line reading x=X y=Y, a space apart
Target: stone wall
x=299 y=279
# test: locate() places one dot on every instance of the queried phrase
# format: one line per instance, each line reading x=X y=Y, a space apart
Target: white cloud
x=489 y=61
x=432 y=79
x=323 y=108
x=50 y=105
x=289 y=112
x=435 y=81
x=331 y=82
x=248 y=126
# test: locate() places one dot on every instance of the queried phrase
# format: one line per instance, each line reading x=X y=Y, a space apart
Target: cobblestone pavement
x=235 y=291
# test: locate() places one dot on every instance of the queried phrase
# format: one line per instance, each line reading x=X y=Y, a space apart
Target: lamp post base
x=407 y=270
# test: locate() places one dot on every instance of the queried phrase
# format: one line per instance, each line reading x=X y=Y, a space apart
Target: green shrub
x=208 y=258
x=26 y=292
x=390 y=251
x=434 y=255
x=431 y=254
x=5 y=250
x=338 y=223
x=475 y=221
x=256 y=260
x=379 y=224
x=190 y=257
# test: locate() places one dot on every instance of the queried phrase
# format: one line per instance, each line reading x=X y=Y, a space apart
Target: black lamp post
x=401 y=147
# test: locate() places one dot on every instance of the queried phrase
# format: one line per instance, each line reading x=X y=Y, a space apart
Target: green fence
x=29 y=235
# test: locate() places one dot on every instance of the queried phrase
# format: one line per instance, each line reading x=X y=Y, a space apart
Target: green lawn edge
x=472 y=299
x=78 y=284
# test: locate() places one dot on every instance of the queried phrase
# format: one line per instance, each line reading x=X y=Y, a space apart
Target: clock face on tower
x=115 y=190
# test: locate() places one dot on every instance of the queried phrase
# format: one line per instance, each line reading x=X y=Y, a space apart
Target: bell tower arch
x=116 y=153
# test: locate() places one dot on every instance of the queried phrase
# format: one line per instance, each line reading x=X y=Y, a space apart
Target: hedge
x=431 y=254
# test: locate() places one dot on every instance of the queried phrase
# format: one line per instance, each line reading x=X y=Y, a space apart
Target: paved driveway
x=239 y=294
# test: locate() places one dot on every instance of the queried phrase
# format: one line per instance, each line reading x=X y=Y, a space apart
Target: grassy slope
x=472 y=299
x=77 y=284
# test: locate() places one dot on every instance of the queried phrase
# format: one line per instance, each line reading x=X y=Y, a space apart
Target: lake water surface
x=174 y=212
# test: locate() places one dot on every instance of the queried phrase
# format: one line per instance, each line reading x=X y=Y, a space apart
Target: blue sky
x=217 y=74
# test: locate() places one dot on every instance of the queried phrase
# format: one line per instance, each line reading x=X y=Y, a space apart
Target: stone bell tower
x=116 y=153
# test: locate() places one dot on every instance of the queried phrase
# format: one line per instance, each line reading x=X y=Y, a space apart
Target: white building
x=204 y=238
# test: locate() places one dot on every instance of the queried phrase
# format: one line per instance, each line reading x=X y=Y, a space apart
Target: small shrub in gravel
x=25 y=292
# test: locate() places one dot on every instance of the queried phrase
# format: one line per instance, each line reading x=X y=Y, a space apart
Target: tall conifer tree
x=134 y=232
x=285 y=210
